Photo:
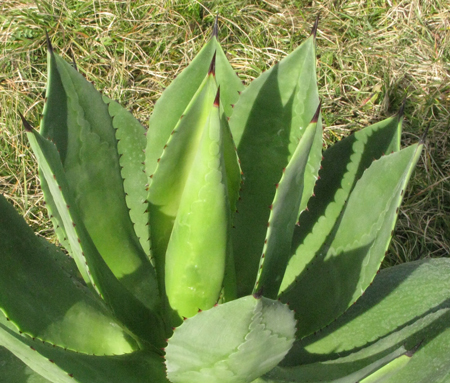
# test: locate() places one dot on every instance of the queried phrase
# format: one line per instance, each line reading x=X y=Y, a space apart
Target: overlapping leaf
x=267 y=123
x=243 y=338
x=77 y=120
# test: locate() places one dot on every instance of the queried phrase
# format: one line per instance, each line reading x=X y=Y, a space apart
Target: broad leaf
x=284 y=214
x=176 y=98
x=77 y=120
x=267 y=123
x=343 y=164
x=402 y=307
x=232 y=343
x=141 y=320
x=54 y=306
x=64 y=366
x=351 y=254
x=199 y=244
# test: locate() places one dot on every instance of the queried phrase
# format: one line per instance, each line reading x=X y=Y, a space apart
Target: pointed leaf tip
x=217 y=99
x=424 y=136
x=49 y=44
x=73 y=60
x=411 y=352
x=215 y=32
x=402 y=109
x=258 y=294
x=212 y=67
x=316 y=115
x=25 y=123
x=315 y=26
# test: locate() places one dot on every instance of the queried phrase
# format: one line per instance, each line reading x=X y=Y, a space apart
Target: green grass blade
x=64 y=366
x=140 y=319
x=54 y=306
x=234 y=342
x=285 y=210
x=266 y=125
x=78 y=121
x=352 y=254
x=343 y=164
x=199 y=243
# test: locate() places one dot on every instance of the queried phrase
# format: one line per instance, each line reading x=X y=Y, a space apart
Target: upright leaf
x=284 y=213
x=131 y=142
x=77 y=120
x=267 y=124
x=140 y=319
x=352 y=253
x=343 y=164
x=176 y=98
x=199 y=244
x=168 y=181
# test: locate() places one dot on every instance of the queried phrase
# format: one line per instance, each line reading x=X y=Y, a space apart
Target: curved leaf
x=232 y=343
x=77 y=120
x=267 y=123
x=53 y=306
x=343 y=164
x=352 y=253
x=141 y=320
x=284 y=213
x=198 y=246
x=64 y=366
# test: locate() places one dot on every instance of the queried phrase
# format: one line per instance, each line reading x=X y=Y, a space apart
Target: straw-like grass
x=371 y=56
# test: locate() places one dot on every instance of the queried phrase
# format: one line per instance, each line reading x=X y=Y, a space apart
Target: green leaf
x=140 y=319
x=406 y=308
x=352 y=253
x=168 y=181
x=348 y=369
x=267 y=123
x=232 y=343
x=77 y=120
x=343 y=164
x=54 y=306
x=406 y=305
x=176 y=98
x=198 y=245
x=14 y=370
x=285 y=211
x=131 y=142
x=64 y=366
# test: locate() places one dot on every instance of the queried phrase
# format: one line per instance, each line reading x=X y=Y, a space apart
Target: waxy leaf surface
x=232 y=343
x=267 y=123
x=352 y=253
x=77 y=120
x=54 y=306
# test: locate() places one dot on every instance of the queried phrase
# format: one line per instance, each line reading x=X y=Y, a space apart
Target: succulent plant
x=218 y=245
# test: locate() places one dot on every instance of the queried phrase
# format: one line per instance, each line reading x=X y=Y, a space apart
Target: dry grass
x=390 y=50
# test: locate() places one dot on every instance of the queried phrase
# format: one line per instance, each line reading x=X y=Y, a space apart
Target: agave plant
x=218 y=245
